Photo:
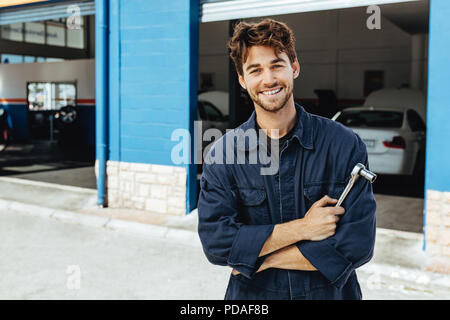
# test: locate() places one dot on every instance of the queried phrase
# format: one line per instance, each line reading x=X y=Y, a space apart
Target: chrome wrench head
x=358 y=170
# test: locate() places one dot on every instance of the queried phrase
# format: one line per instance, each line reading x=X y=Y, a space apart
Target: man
x=281 y=233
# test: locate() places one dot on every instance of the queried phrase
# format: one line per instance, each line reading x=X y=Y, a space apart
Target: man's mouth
x=271 y=92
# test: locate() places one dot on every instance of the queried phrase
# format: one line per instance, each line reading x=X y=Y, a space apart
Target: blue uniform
x=238 y=208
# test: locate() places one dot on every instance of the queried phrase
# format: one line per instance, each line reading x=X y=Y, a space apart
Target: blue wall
x=438 y=114
x=18 y=115
x=153 y=53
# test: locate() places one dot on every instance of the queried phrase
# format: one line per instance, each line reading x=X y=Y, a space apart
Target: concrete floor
x=47 y=162
x=400 y=213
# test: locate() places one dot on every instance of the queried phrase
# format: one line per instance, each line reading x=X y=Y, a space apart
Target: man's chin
x=272 y=107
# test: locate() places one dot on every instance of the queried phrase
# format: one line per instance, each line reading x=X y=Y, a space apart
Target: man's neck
x=283 y=120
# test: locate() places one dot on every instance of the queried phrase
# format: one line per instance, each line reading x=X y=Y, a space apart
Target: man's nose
x=269 y=79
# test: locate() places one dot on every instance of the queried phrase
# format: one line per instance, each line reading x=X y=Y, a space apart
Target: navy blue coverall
x=238 y=208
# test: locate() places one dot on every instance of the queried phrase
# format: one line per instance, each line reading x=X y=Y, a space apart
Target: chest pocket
x=316 y=190
x=254 y=206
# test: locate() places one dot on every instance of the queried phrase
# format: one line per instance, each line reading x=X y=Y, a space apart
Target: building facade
x=147 y=70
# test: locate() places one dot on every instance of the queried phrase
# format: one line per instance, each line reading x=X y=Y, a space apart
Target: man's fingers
x=338 y=210
x=324 y=201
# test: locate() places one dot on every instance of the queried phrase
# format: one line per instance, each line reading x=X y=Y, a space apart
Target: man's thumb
x=324 y=201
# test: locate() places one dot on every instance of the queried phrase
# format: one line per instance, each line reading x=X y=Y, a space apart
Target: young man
x=281 y=233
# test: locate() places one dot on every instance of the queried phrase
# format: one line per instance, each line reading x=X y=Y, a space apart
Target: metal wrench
x=358 y=170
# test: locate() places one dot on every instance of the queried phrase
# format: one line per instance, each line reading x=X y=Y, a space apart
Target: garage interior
x=342 y=61
x=48 y=96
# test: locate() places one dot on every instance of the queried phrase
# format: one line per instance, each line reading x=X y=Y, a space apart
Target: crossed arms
x=319 y=223
x=309 y=243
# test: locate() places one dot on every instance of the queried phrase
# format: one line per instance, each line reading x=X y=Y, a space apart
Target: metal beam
x=213 y=10
x=41 y=50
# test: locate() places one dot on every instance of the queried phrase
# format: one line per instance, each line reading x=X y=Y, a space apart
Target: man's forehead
x=263 y=54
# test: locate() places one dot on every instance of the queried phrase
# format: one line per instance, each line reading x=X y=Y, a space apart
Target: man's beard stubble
x=271 y=108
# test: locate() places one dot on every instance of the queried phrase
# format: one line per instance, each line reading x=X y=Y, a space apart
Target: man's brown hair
x=267 y=32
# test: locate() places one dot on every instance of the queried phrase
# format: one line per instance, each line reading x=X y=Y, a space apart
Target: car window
x=415 y=121
x=211 y=112
x=371 y=118
x=201 y=111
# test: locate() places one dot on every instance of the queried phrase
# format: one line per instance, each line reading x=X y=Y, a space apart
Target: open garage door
x=47 y=92
x=343 y=62
x=213 y=10
x=32 y=11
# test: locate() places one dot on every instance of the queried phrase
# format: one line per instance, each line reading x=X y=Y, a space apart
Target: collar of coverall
x=303 y=132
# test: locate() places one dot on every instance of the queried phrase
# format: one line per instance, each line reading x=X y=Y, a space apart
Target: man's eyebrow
x=252 y=66
x=271 y=62
x=277 y=60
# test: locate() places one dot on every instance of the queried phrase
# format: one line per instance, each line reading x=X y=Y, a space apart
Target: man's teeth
x=271 y=92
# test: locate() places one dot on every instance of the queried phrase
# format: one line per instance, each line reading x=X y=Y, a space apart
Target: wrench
x=358 y=170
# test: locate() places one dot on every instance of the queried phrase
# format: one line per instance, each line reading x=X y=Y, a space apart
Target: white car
x=218 y=98
x=392 y=124
x=211 y=116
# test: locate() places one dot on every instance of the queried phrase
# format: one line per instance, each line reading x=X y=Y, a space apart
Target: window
x=53 y=59
x=12 y=58
x=75 y=34
x=44 y=96
x=13 y=32
x=17 y=58
x=55 y=32
x=211 y=112
x=35 y=32
x=376 y=119
x=415 y=121
x=29 y=59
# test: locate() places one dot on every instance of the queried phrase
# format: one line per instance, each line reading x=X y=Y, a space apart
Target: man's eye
x=254 y=71
x=277 y=66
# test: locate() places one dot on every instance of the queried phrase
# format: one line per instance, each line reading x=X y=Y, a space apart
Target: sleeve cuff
x=246 y=248
x=327 y=260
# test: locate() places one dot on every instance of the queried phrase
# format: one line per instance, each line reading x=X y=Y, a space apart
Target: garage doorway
x=342 y=63
x=47 y=93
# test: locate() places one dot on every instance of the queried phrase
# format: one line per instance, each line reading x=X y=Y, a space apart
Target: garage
x=47 y=92
x=363 y=64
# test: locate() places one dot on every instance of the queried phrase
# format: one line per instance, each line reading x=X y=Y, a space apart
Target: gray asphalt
x=43 y=258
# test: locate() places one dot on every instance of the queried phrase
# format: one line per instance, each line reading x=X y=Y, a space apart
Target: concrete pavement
x=58 y=257
x=52 y=235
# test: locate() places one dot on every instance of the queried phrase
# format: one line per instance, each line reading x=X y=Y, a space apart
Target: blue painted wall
x=18 y=116
x=438 y=114
x=153 y=53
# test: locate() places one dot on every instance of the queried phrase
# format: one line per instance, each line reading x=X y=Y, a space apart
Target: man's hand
x=320 y=221
x=289 y=258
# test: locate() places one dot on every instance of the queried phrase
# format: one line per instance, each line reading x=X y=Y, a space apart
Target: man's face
x=268 y=78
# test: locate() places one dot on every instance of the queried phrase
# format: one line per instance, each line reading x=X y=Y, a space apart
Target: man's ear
x=241 y=81
x=296 y=68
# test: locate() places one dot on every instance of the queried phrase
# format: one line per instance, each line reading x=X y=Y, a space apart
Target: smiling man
x=281 y=233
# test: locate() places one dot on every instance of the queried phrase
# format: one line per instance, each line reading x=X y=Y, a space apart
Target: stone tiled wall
x=155 y=188
x=437 y=230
